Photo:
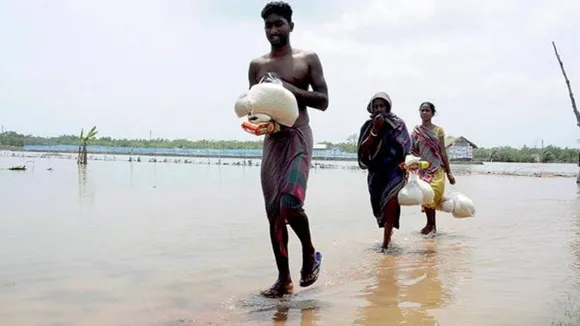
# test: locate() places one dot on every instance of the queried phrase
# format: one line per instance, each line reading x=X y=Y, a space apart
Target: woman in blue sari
x=383 y=144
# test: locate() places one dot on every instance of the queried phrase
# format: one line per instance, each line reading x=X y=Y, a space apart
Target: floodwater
x=123 y=243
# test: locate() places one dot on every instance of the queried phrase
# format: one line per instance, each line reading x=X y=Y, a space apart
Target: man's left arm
x=318 y=98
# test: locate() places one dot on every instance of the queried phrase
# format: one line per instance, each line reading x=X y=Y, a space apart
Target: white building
x=459 y=148
x=320 y=146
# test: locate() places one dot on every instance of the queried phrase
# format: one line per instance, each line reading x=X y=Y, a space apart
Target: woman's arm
x=444 y=157
x=369 y=144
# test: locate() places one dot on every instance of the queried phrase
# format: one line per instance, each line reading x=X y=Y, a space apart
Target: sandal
x=309 y=278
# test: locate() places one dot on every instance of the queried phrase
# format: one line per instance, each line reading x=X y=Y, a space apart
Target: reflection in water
x=300 y=306
x=407 y=287
x=131 y=174
x=86 y=195
x=568 y=307
x=575 y=239
x=155 y=175
x=308 y=314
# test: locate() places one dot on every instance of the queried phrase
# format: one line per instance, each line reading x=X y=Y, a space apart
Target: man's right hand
x=378 y=123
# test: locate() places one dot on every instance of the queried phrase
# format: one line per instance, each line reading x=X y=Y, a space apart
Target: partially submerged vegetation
x=82 y=158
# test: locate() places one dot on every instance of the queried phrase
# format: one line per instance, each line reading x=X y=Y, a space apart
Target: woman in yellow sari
x=429 y=144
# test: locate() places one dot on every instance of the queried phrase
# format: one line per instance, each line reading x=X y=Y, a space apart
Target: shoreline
x=459 y=168
x=201 y=155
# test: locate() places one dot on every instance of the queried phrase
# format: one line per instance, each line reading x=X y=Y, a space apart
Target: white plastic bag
x=411 y=159
x=259 y=118
x=243 y=107
x=411 y=194
x=462 y=206
x=416 y=191
x=447 y=205
x=276 y=101
x=427 y=190
x=270 y=98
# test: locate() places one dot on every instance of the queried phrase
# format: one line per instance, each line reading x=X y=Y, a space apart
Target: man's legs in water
x=291 y=210
x=283 y=284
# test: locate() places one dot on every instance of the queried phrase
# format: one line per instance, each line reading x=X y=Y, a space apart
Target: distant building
x=320 y=146
x=337 y=151
x=324 y=152
x=459 y=148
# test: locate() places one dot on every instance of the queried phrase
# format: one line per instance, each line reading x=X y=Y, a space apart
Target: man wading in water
x=287 y=153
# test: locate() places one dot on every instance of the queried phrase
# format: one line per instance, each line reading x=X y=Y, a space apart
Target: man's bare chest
x=291 y=70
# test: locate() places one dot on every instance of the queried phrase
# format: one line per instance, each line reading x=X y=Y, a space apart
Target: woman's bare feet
x=278 y=289
x=431 y=226
x=388 y=232
x=428 y=229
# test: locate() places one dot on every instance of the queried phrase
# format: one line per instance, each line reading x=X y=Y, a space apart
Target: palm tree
x=84 y=140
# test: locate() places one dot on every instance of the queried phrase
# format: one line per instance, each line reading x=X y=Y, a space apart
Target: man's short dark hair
x=279 y=8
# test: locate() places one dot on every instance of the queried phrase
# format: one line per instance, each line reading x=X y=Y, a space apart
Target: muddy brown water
x=168 y=244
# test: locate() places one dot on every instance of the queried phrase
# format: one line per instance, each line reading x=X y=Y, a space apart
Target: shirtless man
x=287 y=154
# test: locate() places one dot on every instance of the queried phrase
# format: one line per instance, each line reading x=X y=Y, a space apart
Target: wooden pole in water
x=572 y=100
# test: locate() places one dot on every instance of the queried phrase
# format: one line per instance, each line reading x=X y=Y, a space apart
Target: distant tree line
x=13 y=139
x=549 y=154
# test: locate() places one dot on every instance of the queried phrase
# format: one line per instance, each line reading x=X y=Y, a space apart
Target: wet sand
x=165 y=244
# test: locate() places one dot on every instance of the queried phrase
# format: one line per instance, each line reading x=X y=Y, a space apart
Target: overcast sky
x=176 y=66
